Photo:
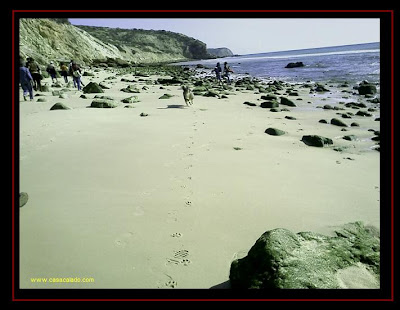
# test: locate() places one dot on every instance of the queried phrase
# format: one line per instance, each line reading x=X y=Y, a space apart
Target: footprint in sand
x=123 y=240
x=188 y=203
x=179 y=258
x=171 y=284
x=185 y=262
x=172 y=216
x=188 y=167
x=181 y=253
x=176 y=235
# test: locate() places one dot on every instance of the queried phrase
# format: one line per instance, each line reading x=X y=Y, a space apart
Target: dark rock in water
x=59 y=106
x=250 y=104
x=287 y=102
x=338 y=122
x=366 y=88
x=41 y=100
x=23 y=199
x=294 y=64
x=327 y=107
x=144 y=114
x=285 y=260
x=315 y=140
x=290 y=117
x=274 y=132
x=323 y=121
x=355 y=124
x=269 y=104
x=103 y=103
x=83 y=96
x=92 y=88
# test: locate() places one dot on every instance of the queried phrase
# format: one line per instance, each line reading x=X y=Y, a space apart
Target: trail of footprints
x=181 y=257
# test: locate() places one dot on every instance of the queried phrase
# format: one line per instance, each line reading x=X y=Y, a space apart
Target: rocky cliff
x=58 y=40
x=220 y=52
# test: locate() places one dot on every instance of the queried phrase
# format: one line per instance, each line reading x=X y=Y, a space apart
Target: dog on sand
x=187 y=95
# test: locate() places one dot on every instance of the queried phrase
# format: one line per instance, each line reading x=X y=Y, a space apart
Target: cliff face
x=58 y=40
x=220 y=52
x=149 y=45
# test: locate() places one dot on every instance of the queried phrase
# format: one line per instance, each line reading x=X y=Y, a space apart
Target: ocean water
x=351 y=63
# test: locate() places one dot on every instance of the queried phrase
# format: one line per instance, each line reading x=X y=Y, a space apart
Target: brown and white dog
x=187 y=95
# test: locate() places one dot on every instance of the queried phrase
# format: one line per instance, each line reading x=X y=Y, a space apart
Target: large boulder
x=366 y=88
x=283 y=259
x=315 y=140
x=92 y=88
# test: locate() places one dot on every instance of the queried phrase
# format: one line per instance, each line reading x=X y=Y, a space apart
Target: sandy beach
x=168 y=200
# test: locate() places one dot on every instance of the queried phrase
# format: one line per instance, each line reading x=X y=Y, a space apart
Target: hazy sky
x=251 y=35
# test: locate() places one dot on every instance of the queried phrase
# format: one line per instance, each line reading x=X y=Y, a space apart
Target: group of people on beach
x=30 y=75
x=225 y=72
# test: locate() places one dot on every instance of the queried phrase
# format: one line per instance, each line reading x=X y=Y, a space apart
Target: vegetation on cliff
x=58 y=40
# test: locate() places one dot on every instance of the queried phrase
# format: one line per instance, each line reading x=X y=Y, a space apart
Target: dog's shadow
x=174 y=106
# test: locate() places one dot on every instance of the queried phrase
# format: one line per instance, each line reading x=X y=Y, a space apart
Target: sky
x=256 y=35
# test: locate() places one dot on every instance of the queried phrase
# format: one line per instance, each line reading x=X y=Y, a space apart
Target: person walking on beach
x=52 y=71
x=35 y=71
x=26 y=80
x=227 y=71
x=76 y=75
x=64 y=71
x=218 y=72
x=70 y=71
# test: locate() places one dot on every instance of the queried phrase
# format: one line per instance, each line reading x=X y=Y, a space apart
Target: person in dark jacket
x=25 y=78
x=218 y=72
x=52 y=71
x=227 y=71
x=76 y=74
x=35 y=71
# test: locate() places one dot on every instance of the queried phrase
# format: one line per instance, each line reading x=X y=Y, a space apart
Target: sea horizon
x=306 y=49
